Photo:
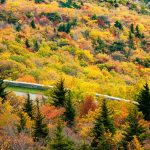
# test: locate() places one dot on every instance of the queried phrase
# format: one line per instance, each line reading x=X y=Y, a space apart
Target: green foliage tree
x=100 y=46
x=60 y=142
x=69 y=114
x=131 y=42
x=118 y=25
x=3 y=92
x=22 y=122
x=33 y=24
x=54 y=16
x=137 y=32
x=27 y=43
x=132 y=28
x=103 y=124
x=3 y=1
x=18 y=27
x=36 y=46
x=39 y=1
x=117 y=46
x=40 y=129
x=59 y=94
x=134 y=128
x=85 y=146
x=143 y=99
x=28 y=107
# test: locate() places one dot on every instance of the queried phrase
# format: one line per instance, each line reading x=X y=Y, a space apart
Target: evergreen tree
x=104 y=124
x=28 y=107
x=85 y=146
x=59 y=94
x=69 y=113
x=3 y=92
x=137 y=33
x=134 y=128
x=3 y=1
x=22 y=122
x=131 y=43
x=36 y=46
x=118 y=25
x=100 y=46
x=60 y=142
x=132 y=28
x=27 y=43
x=33 y=24
x=143 y=99
x=39 y=1
x=40 y=129
x=18 y=27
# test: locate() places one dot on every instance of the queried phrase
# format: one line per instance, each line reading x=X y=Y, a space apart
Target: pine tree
x=3 y=1
x=40 y=129
x=59 y=94
x=39 y=1
x=27 y=43
x=134 y=128
x=22 y=122
x=143 y=99
x=28 y=107
x=132 y=28
x=69 y=114
x=60 y=142
x=3 y=92
x=104 y=124
x=36 y=46
x=18 y=27
x=85 y=146
x=137 y=33
x=118 y=25
x=33 y=24
x=131 y=43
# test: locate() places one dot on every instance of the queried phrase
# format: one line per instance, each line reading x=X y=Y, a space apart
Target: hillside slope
x=96 y=46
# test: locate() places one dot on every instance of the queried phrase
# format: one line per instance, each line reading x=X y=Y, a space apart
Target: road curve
x=41 y=86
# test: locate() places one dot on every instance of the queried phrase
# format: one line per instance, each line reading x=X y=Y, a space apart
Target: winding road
x=41 y=86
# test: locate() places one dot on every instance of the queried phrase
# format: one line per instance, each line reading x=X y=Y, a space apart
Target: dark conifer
x=134 y=128
x=28 y=107
x=2 y=1
x=103 y=124
x=40 y=129
x=143 y=99
x=3 y=92
x=131 y=42
x=18 y=27
x=60 y=142
x=59 y=94
x=137 y=33
x=36 y=46
x=69 y=114
x=118 y=25
x=22 y=122
x=132 y=28
x=27 y=43
x=39 y=1
x=33 y=24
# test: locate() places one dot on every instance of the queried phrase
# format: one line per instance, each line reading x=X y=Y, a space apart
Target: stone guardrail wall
x=43 y=87
x=26 y=85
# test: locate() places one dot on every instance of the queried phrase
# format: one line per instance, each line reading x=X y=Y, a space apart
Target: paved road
x=32 y=96
x=41 y=86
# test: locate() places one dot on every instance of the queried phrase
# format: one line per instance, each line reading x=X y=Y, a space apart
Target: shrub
x=117 y=46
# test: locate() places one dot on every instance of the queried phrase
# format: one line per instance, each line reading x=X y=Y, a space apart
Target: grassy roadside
x=25 y=90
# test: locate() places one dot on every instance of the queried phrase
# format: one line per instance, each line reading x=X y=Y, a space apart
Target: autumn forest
x=81 y=48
